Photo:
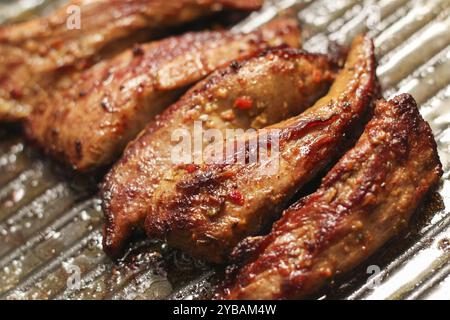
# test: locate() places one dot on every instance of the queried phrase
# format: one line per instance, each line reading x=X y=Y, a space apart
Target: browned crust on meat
x=365 y=200
x=89 y=120
x=128 y=186
x=182 y=211
x=33 y=50
x=301 y=76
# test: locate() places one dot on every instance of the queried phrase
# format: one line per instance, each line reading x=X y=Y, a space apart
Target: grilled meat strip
x=35 y=49
x=256 y=84
x=206 y=213
x=88 y=123
x=365 y=200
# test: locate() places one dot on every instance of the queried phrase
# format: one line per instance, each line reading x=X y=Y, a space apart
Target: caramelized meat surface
x=79 y=31
x=206 y=213
x=254 y=93
x=365 y=200
x=90 y=118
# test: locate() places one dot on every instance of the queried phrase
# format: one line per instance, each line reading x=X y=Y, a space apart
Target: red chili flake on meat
x=86 y=64
x=228 y=174
x=191 y=168
x=56 y=44
x=237 y=198
x=243 y=103
x=316 y=76
x=16 y=94
x=444 y=245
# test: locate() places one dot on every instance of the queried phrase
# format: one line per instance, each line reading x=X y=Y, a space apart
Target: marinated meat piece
x=206 y=213
x=257 y=92
x=35 y=49
x=89 y=120
x=364 y=201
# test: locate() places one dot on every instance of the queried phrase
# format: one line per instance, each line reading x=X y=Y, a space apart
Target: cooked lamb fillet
x=262 y=90
x=88 y=123
x=364 y=201
x=37 y=48
x=206 y=213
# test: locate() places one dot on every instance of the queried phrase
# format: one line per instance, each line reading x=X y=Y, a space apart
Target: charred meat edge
x=37 y=49
x=181 y=211
x=88 y=124
x=128 y=188
x=364 y=201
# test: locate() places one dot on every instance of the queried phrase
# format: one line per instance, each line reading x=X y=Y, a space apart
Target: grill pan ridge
x=50 y=222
